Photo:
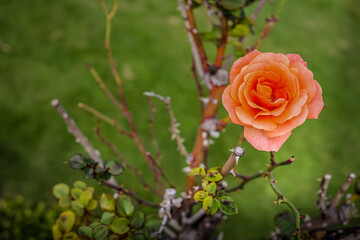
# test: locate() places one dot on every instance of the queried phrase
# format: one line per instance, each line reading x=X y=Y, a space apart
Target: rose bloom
x=270 y=95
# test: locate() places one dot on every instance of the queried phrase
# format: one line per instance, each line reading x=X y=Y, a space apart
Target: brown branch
x=125 y=163
x=322 y=193
x=121 y=189
x=153 y=130
x=105 y=118
x=237 y=153
x=198 y=85
x=223 y=41
x=80 y=137
x=342 y=191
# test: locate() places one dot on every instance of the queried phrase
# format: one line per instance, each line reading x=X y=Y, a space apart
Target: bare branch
x=322 y=193
x=237 y=153
x=153 y=131
x=342 y=190
x=80 y=137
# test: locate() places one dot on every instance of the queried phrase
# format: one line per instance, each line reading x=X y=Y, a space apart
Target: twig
x=322 y=193
x=223 y=41
x=125 y=163
x=105 y=118
x=130 y=193
x=80 y=137
x=153 y=131
x=197 y=49
x=282 y=199
x=342 y=190
x=209 y=12
x=198 y=86
x=258 y=9
x=237 y=153
x=174 y=124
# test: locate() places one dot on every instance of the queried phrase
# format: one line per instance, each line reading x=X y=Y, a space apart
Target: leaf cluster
x=211 y=197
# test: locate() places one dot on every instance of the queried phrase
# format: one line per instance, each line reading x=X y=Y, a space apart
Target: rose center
x=272 y=91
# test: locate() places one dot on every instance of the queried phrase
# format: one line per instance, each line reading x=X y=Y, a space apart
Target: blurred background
x=44 y=46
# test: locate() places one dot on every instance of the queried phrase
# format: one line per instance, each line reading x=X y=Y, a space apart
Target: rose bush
x=270 y=95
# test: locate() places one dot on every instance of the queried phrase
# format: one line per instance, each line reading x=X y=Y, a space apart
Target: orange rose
x=270 y=95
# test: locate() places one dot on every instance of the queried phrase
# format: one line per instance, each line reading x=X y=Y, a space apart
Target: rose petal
x=296 y=58
x=317 y=104
x=306 y=80
x=258 y=139
x=230 y=106
x=248 y=117
x=290 y=124
x=293 y=109
x=240 y=63
x=271 y=58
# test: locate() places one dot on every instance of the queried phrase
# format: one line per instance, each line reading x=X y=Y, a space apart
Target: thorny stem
x=105 y=118
x=80 y=137
x=153 y=131
x=126 y=163
x=342 y=190
x=282 y=199
x=121 y=189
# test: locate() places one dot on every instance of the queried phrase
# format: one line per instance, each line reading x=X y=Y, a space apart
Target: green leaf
x=105 y=176
x=137 y=219
x=70 y=236
x=205 y=184
x=75 y=193
x=120 y=226
x=56 y=233
x=88 y=173
x=100 y=232
x=115 y=168
x=65 y=201
x=77 y=161
x=85 y=231
x=91 y=162
x=153 y=223
x=94 y=225
x=240 y=30
x=197 y=171
x=66 y=221
x=107 y=202
x=61 y=189
x=212 y=188
x=228 y=206
x=213 y=175
x=85 y=197
x=285 y=221
x=232 y=4
x=77 y=207
x=210 y=205
x=79 y=184
x=140 y=234
x=200 y=196
x=92 y=205
x=220 y=193
x=107 y=217
x=91 y=189
x=125 y=206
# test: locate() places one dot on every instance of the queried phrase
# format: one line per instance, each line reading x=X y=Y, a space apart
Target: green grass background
x=52 y=40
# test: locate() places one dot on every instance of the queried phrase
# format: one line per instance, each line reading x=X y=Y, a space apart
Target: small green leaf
x=200 y=196
x=92 y=205
x=240 y=30
x=153 y=223
x=85 y=197
x=120 y=226
x=100 y=232
x=205 y=184
x=232 y=4
x=85 y=231
x=212 y=188
x=61 y=189
x=65 y=201
x=228 y=206
x=75 y=193
x=70 y=236
x=56 y=233
x=210 y=205
x=115 y=168
x=107 y=202
x=197 y=171
x=213 y=175
x=137 y=219
x=285 y=221
x=79 y=184
x=88 y=173
x=220 y=193
x=91 y=162
x=66 y=221
x=91 y=189
x=105 y=176
x=77 y=161
x=107 y=217
x=140 y=234
x=77 y=207
x=125 y=206
x=94 y=225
